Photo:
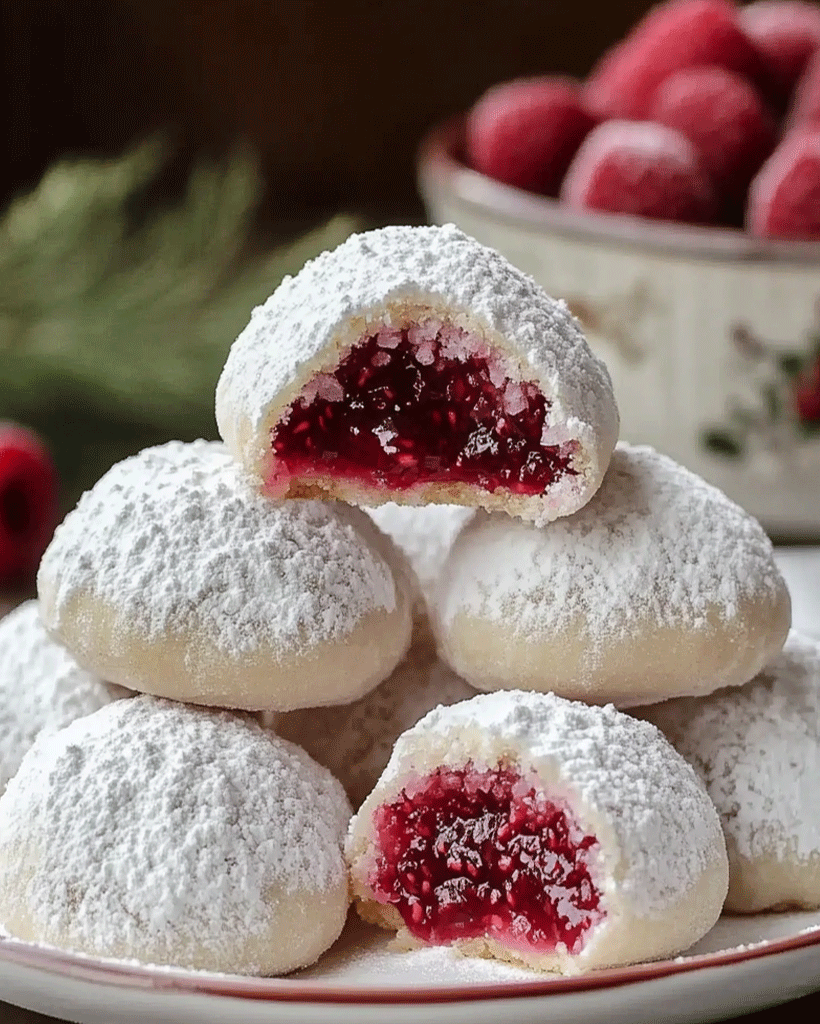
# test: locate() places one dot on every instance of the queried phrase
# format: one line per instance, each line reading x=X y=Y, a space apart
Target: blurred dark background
x=335 y=96
x=275 y=128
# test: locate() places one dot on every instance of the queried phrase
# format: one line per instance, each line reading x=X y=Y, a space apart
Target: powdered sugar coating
x=757 y=749
x=665 y=828
x=425 y=533
x=640 y=139
x=782 y=201
x=657 y=557
x=787 y=34
x=656 y=540
x=177 y=542
x=295 y=334
x=42 y=688
x=650 y=161
x=355 y=741
x=153 y=829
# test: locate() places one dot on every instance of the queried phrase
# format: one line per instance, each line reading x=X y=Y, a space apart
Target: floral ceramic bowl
x=712 y=337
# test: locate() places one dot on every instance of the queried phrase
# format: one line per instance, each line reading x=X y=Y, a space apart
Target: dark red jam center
x=403 y=409
x=480 y=854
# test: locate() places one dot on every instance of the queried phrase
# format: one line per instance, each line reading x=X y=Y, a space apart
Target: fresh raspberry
x=725 y=119
x=526 y=132
x=639 y=168
x=805 y=108
x=784 y=197
x=787 y=34
x=675 y=35
x=28 y=500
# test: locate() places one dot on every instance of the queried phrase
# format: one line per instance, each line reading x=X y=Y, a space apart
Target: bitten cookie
x=533 y=829
x=660 y=587
x=174 y=577
x=177 y=836
x=414 y=365
x=757 y=748
x=355 y=741
x=42 y=688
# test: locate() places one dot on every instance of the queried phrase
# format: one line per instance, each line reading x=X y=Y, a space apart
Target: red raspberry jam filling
x=484 y=854
x=427 y=404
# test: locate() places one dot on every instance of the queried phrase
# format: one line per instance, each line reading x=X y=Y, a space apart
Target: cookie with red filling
x=533 y=829
x=415 y=365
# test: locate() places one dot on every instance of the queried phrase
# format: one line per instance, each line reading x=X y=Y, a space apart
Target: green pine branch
x=132 y=321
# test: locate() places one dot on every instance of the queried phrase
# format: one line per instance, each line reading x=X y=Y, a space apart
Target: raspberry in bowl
x=684 y=235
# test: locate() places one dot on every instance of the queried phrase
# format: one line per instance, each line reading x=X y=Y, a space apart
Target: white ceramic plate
x=743 y=964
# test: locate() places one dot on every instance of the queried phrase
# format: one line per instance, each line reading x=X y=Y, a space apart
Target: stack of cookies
x=414 y=379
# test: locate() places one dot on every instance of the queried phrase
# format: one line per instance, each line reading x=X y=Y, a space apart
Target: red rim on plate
x=441 y=172
x=109 y=972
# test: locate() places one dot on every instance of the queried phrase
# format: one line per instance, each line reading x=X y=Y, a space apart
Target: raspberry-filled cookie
x=533 y=829
x=173 y=835
x=355 y=741
x=415 y=365
x=42 y=688
x=174 y=577
x=757 y=748
x=660 y=587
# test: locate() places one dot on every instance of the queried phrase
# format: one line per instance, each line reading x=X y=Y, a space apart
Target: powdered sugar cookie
x=757 y=748
x=174 y=835
x=355 y=741
x=414 y=365
x=174 y=577
x=425 y=534
x=659 y=587
x=42 y=688
x=530 y=828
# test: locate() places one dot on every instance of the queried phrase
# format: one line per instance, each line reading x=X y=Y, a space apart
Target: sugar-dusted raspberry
x=805 y=108
x=674 y=35
x=787 y=34
x=525 y=132
x=726 y=120
x=28 y=500
x=784 y=197
x=640 y=168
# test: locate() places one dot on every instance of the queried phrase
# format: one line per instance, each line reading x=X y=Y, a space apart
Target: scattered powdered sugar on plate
x=428 y=963
x=42 y=688
x=757 y=748
x=623 y=770
x=177 y=542
x=744 y=947
x=155 y=824
x=656 y=546
x=365 y=955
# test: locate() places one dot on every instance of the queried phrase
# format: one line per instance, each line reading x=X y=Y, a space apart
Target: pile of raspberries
x=706 y=113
